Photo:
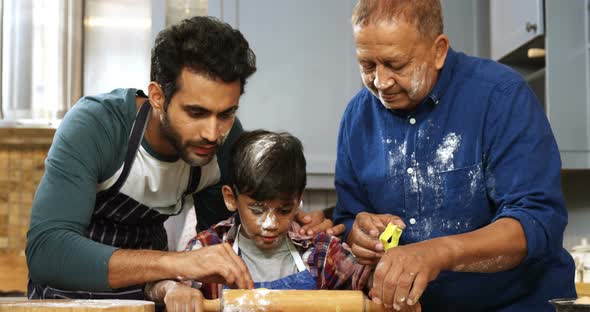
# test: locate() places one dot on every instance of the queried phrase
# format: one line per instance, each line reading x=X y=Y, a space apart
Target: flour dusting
x=397 y=157
x=257 y=300
x=446 y=151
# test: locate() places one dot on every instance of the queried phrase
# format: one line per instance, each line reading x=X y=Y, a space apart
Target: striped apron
x=120 y=221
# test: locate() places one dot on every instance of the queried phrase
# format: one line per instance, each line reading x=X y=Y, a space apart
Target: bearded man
x=122 y=163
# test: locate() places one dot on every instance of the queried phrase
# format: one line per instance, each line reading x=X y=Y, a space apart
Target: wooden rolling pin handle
x=212 y=305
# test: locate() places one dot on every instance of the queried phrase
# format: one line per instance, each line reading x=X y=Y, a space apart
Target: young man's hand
x=212 y=264
x=315 y=222
x=364 y=235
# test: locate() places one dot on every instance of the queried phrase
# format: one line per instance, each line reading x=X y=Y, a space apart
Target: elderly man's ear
x=231 y=201
x=441 y=46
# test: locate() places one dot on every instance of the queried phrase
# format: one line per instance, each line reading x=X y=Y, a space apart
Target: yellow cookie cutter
x=390 y=237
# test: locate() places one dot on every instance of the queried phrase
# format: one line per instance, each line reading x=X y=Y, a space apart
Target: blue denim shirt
x=477 y=149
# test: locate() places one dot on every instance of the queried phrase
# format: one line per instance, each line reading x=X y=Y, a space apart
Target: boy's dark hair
x=203 y=45
x=266 y=165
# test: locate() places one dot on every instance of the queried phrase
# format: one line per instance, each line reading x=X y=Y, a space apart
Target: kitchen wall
x=576 y=188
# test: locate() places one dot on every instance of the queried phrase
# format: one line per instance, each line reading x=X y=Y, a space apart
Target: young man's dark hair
x=266 y=165
x=204 y=45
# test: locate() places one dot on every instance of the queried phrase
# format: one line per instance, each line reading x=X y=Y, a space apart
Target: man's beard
x=183 y=149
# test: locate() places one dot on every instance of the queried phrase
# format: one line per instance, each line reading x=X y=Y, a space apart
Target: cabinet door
x=514 y=23
x=307 y=71
x=567 y=64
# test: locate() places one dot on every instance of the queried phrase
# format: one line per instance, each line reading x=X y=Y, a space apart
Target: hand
x=315 y=222
x=407 y=308
x=403 y=273
x=413 y=308
x=182 y=298
x=364 y=235
x=213 y=264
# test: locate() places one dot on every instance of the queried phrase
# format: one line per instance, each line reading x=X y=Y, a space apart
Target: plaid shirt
x=328 y=260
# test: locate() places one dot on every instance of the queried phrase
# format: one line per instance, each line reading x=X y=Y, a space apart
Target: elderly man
x=458 y=151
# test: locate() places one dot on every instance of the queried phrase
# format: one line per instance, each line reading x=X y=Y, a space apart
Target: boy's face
x=265 y=222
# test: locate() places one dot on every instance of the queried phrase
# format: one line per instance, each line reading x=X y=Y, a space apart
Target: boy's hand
x=364 y=235
x=315 y=222
x=181 y=298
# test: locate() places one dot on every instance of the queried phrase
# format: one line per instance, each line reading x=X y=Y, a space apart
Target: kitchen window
x=41 y=58
x=55 y=51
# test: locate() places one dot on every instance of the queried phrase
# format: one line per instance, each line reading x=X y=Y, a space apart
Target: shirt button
x=412 y=121
x=412 y=221
x=410 y=171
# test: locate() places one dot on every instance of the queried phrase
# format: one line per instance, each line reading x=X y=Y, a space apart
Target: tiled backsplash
x=22 y=169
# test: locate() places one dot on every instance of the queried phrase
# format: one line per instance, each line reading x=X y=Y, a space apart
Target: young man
x=121 y=163
x=459 y=149
x=267 y=178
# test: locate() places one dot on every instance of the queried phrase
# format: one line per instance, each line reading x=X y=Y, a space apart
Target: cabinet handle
x=531 y=27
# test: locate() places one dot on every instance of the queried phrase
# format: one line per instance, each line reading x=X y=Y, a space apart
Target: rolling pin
x=291 y=301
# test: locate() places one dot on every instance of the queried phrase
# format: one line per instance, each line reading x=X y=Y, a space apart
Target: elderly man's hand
x=403 y=273
x=364 y=235
x=315 y=222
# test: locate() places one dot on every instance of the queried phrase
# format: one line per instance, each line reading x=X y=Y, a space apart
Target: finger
x=336 y=230
x=366 y=224
x=317 y=218
x=388 y=218
x=403 y=288
x=226 y=267
x=420 y=283
x=323 y=226
x=379 y=275
x=303 y=218
x=364 y=240
x=389 y=286
x=364 y=253
x=244 y=278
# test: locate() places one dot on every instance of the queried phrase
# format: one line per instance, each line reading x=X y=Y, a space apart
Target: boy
x=267 y=177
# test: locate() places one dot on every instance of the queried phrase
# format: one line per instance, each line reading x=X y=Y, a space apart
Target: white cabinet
x=514 y=23
x=561 y=79
x=307 y=71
